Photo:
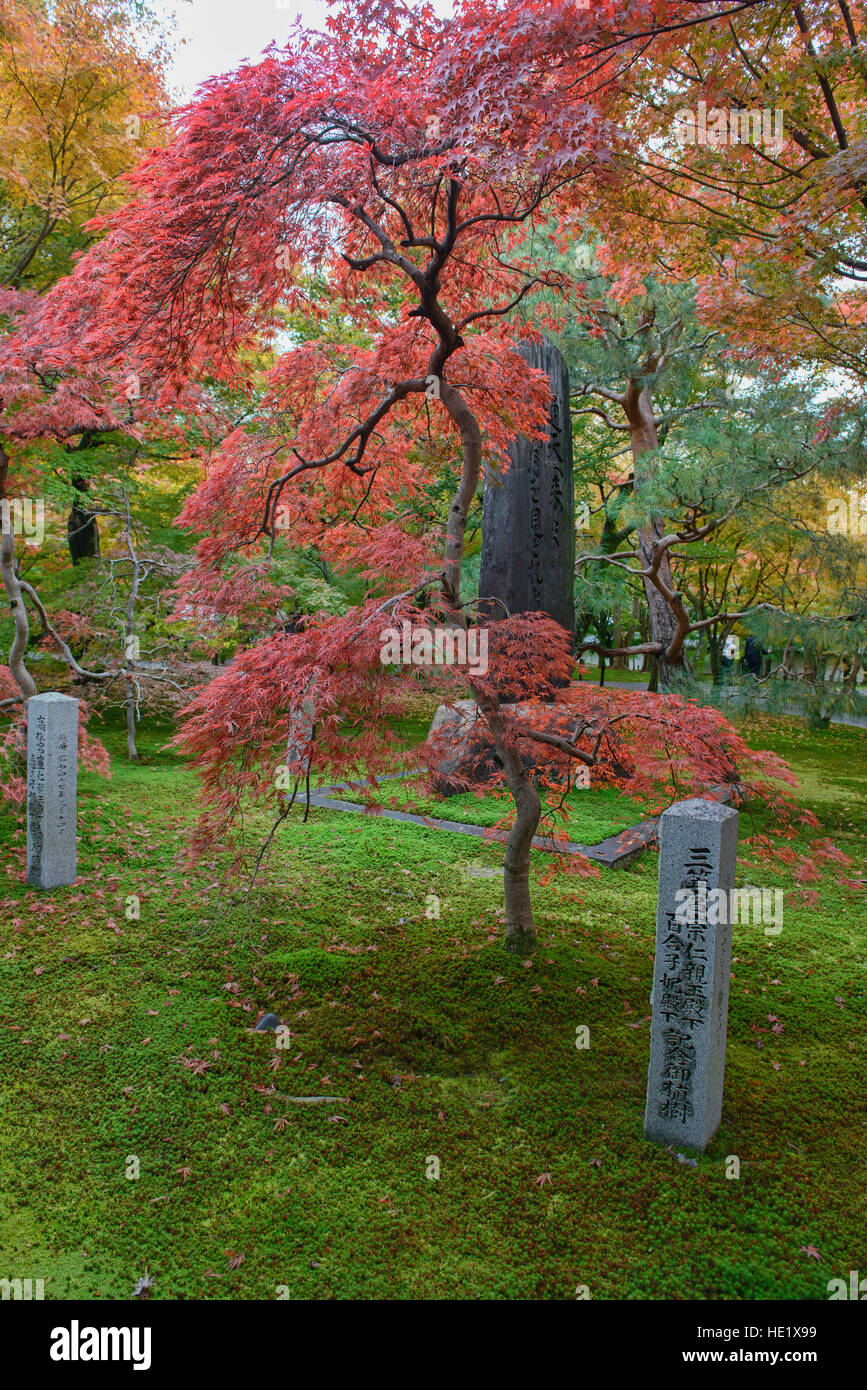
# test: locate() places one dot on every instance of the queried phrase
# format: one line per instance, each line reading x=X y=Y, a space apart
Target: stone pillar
x=697 y=851
x=528 y=520
x=52 y=776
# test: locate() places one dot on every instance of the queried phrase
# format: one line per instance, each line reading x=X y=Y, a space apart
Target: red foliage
x=658 y=748
x=404 y=156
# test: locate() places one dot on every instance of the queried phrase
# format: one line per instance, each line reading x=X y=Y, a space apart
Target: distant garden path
x=616 y=851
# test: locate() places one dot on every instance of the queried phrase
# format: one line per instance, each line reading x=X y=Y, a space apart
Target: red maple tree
x=402 y=157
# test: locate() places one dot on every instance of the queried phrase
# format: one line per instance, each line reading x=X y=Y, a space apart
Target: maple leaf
x=811 y=1252
x=197 y=1065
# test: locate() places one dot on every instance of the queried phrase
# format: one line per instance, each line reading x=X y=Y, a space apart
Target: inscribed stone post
x=52 y=774
x=528 y=521
x=697 y=850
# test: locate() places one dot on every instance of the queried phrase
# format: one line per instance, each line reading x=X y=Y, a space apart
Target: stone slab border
x=615 y=852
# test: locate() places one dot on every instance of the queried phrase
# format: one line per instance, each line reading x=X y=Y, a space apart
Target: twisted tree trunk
x=11 y=584
x=668 y=619
x=520 y=934
x=82 y=531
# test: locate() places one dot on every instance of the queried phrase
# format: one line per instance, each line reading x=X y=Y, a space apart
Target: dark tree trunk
x=620 y=639
x=713 y=650
x=520 y=936
x=81 y=529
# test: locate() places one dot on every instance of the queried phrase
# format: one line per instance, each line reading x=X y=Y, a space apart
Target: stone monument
x=52 y=776
x=528 y=522
x=697 y=851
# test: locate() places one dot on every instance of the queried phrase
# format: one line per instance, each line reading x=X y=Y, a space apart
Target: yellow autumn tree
x=82 y=93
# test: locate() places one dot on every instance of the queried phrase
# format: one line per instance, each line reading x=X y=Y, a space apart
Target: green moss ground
x=443 y=1044
x=591 y=814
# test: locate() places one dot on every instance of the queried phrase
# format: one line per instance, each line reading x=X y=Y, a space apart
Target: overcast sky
x=220 y=34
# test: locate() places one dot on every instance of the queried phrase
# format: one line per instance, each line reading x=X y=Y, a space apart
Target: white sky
x=220 y=34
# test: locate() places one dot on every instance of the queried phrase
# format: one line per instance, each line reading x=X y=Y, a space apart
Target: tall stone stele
x=52 y=779
x=528 y=515
x=697 y=850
